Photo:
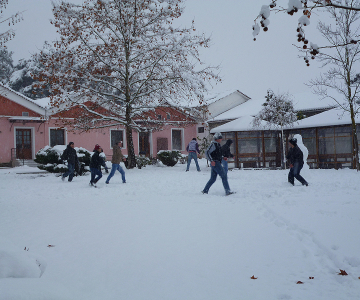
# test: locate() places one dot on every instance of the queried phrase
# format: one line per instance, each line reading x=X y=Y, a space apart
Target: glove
x=106 y=170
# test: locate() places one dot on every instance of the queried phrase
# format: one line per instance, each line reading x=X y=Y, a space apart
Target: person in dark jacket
x=296 y=162
x=192 y=148
x=214 y=154
x=95 y=165
x=226 y=154
x=70 y=156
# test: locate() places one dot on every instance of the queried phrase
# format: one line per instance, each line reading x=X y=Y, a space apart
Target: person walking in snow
x=214 y=155
x=192 y=148
x=95 y=166
x=296 y=162
x=226 y=154
x=70 y=156
x=117 y=157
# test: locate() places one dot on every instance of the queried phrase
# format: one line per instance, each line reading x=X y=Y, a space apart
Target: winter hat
x=293 y=141
x=217 y=136
x=97 y=147
x=194 y=139
x=229 y=142
x=71 y=143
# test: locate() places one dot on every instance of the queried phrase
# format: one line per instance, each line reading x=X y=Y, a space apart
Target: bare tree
x=7 y=35
x=278 y=112
x=343 y=62
x=125 y=57
x=306 y=8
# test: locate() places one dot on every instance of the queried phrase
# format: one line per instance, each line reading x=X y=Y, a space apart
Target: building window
x=176 y=139
x=25 y=114
x=117 y=136
x=168 y=116
x=57 y=137
x=201 y=129
x=159 y=117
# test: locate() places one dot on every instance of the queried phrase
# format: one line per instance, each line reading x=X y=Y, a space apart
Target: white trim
x=182 y=139
x=32 y=139
x=65 y=134
x=124 y=138
x=150 y=143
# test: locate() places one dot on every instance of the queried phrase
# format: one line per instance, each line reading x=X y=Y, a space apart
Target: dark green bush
x=169 y=158
x=50 y=160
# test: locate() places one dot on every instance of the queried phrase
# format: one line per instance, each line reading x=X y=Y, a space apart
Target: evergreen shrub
x=169 y=158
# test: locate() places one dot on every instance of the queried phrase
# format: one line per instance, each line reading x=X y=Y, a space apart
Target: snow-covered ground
x=158 y=238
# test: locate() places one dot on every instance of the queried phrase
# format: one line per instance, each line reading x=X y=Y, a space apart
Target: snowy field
x=158 y=238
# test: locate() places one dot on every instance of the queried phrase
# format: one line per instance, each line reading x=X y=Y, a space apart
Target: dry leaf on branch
x=253 y=277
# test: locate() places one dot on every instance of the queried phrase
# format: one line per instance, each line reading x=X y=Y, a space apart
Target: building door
x=144 y=145
x=23 y=144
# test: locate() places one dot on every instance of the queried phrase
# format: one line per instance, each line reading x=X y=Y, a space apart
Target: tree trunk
x=355 y=139
x=283 y=144
x=131 y=161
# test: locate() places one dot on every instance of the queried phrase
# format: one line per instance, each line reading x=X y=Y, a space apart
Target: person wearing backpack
x=214 y=155
x=296 y=163
x=70 y=156
x=226 y=154
x=192 y=148
x=96 y=162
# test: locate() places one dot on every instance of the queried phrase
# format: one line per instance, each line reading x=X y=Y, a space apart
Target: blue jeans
x=215 y=171
x=70 y=172
x=225 y=165
x=94 y=172
x=115 y=167
x=295 y=173
x=192 y=155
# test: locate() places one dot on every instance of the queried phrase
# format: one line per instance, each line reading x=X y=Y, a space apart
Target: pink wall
x=41 y=138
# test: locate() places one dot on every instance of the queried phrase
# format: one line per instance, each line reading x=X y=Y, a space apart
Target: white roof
x=332 y=117
x=302 y=102
x=43 y=102
x=244 y=123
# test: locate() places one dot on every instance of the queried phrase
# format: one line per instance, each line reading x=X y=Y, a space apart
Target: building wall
x=41 y=137
x=10 y=108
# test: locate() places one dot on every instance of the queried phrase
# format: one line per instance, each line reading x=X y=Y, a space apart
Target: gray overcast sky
x=251 y=67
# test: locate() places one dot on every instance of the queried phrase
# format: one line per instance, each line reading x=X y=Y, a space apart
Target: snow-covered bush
x=169 y=158
x=49 y=159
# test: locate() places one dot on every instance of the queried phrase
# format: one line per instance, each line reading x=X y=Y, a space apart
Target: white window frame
x=124 y=138
x=65 y=134
x=182 y=139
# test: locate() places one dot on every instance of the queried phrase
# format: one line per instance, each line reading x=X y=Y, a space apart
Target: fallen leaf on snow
x=253 y=277
x=343 y=272
x=299 y=282
x=50 y=246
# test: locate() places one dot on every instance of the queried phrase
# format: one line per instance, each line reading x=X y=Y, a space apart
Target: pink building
x=26 y=126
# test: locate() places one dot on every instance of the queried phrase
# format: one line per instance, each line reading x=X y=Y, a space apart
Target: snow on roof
x=302 y=102
x=43 y=102
x=216 y=96
x=332 y=117
x=38 y=102
x=243 y=123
